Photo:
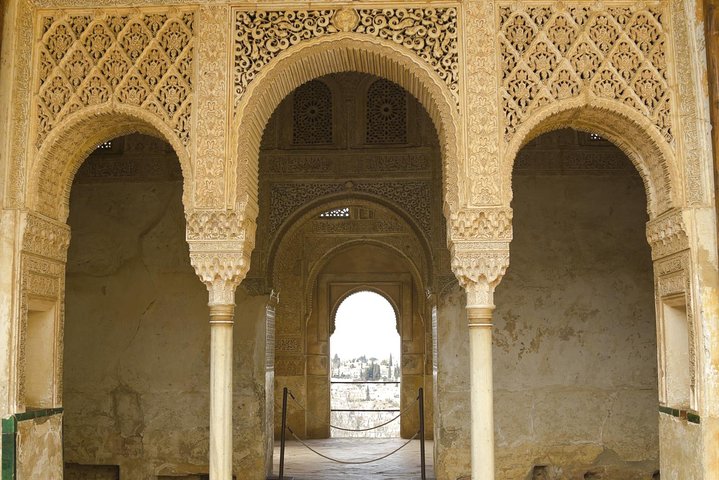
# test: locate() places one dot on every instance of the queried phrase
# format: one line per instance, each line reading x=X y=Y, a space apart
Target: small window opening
x=365 y=367
x=343 y=212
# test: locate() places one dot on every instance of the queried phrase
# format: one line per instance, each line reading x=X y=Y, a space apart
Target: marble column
x=221 y=272
x=479 y=271
x=479 y=319
x=221 y=324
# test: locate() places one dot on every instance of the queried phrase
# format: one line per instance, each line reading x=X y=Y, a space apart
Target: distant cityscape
x=365 y=369
x=365 y=396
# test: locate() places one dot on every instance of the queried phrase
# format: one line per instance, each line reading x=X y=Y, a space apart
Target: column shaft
x=221 y=321
x=481 y=388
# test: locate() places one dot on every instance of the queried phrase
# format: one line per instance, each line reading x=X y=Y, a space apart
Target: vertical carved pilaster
x=481 y=107
x=212 y=106
x=44 y=253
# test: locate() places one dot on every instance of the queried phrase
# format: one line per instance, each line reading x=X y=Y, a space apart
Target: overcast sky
x=365 y=325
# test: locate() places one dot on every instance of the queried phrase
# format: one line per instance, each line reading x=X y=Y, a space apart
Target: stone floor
x=302 y=464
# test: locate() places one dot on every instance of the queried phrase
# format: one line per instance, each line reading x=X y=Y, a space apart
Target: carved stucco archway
x=297 y=219
x=305 y=298
x=67 y=147
x=336 y=53
x=627 y=129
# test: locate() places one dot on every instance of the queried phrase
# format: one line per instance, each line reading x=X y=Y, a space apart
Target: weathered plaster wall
x=451 y=386
x=39 y=452
x=575 y=342
x=679 y=440
x=574 y=338
x=137 y=332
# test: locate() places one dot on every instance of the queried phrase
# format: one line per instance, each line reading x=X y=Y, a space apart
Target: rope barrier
x=351 y=429
x=285 y=427
x=348 y=462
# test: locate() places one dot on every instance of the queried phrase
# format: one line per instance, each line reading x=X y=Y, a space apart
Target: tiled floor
x=302 y=464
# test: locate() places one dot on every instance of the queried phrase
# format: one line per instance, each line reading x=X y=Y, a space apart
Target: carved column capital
x=221 y=272
x=479 y=272
x=221 y=242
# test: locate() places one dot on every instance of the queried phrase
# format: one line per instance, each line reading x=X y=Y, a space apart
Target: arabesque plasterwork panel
x=555 y=51
x=261 y=35
x=138 y=59
x=481 y=172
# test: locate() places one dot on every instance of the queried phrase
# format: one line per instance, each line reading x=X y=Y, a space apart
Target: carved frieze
x=672 y=284
x=286 y=345
x=138 y=59
x=218 y=225
x=46 y=238
x=555 y=51
x=339 y=164
x=42 y=285
x=431 y=33
x=481 y=224
x=289 y=365
x=667 y=234
x=413 y=196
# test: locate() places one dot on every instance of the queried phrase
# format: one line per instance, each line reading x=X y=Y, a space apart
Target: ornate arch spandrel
x=335 y=53
x=605 y=67
x=67 y=147
x=129 y=57
x=632 y=133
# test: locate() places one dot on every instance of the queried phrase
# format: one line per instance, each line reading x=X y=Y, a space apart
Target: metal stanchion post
x=421 y=433
x=282 y=434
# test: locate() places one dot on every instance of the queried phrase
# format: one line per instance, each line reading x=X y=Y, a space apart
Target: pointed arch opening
x=640 y=141
x=365 y=349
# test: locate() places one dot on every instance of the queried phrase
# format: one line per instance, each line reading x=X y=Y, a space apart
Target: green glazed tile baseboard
x=9 y=439
x=679 y=413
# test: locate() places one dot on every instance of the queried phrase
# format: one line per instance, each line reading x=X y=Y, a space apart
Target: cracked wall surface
x=137 y=337
x=574 y=342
